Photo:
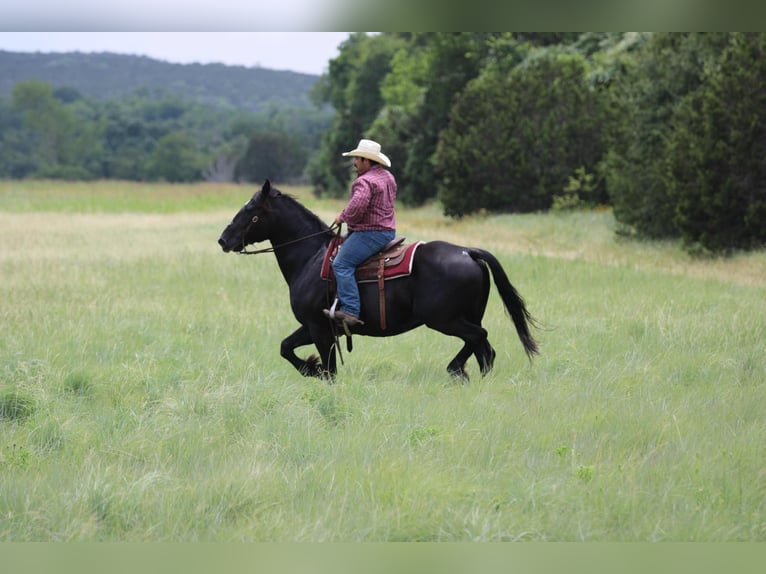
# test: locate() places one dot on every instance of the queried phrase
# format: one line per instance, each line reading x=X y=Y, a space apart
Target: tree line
x=151 y=135
x=667 y=128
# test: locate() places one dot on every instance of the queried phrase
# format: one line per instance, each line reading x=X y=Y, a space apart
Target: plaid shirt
x=371 y=206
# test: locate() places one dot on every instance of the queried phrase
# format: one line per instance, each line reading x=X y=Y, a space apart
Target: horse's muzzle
x=223 y=245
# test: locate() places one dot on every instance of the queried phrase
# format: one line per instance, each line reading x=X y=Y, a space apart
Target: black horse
x=446 y=291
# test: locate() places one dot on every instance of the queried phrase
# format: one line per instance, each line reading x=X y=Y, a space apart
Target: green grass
x=142 y=396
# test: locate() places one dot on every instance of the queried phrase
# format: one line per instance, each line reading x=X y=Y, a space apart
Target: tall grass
x=142 y=396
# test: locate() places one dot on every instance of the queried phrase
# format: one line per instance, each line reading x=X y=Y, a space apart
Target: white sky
x=307 y=52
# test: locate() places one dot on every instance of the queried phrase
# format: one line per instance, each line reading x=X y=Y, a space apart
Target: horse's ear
x=269 y=191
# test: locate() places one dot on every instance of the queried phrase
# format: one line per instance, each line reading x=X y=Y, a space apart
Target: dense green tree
x=668 y=69
x=516 y=137
x=427 y=75
x=60 y=139
x=402 y=91
x=67 y=94
x=47 y=118
x=547 y=38
x=17 y=145
x=127 y=144
x=61 y=133
x=271 y=155
x=353 y=87
x=717 y=151
x=175 y=159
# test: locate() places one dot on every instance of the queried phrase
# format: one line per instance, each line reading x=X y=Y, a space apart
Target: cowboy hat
x=370 y=150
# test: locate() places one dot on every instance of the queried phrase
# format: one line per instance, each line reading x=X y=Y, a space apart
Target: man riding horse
x=371 y=221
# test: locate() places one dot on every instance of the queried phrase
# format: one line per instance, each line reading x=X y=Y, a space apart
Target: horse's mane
x=312 y=220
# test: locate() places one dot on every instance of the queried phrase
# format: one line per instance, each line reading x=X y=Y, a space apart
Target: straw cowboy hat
x=370 y=150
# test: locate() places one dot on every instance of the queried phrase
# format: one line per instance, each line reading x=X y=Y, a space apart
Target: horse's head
x=252 y=223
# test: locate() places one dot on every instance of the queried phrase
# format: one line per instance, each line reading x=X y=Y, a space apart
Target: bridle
x=273 y=248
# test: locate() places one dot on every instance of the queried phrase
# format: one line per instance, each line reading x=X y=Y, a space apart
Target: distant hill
x=106 y=76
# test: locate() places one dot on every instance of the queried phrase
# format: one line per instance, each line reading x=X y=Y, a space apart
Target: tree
x=17 y=146
x=271 y=155
x=352 y=86
x=426 y=78
x=717 y=151
x=175 y=159
x=668 y=69
x=127 y=143
x=63 y=134
x=515 y=138
x=46 y=117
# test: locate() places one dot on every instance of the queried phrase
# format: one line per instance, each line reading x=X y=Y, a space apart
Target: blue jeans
x=358 y=246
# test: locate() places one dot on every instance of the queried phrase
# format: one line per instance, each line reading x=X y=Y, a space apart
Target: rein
x=273 y=248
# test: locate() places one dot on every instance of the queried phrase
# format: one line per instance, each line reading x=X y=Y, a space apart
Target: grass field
x=142 y=396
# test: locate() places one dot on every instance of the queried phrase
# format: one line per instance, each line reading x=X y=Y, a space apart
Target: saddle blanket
x=397 y=262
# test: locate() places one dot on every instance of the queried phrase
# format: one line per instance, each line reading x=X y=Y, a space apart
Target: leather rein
x=273 y=248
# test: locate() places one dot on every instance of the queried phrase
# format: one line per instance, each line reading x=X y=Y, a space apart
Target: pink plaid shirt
x=371 y=206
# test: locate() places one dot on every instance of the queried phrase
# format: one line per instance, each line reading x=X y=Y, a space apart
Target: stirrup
x=341 y=317
x=333 y=308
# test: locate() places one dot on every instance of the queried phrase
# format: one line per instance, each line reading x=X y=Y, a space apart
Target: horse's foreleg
x=312 y=367
x=325 y=344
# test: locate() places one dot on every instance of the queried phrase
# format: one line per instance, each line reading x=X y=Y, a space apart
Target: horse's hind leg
x=456 y=367
x=475 y=343
x=486 y=357
x=481 y=348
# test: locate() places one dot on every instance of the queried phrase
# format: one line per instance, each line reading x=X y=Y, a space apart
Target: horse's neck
x=297 y=243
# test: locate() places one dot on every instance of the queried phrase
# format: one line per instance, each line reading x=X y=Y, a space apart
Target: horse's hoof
x=460 y=374
x=312 y=367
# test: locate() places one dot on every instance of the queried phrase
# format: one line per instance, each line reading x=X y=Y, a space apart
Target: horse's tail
x=513 y=302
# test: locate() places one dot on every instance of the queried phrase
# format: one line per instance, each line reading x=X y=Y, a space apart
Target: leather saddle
x=391 y=262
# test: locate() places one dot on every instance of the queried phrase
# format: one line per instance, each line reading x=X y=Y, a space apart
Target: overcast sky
x=307 y=52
